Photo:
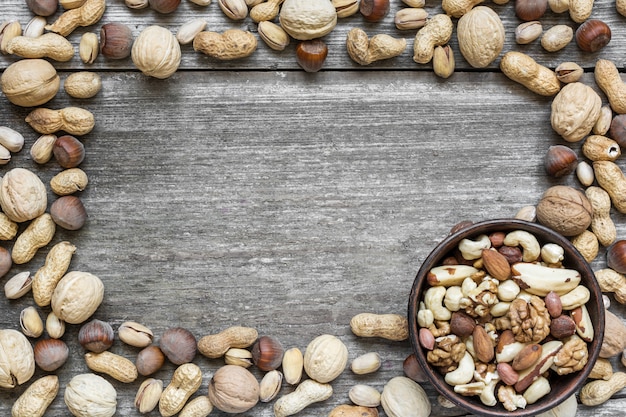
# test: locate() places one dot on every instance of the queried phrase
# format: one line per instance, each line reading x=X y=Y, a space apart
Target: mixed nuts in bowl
x=505 y=316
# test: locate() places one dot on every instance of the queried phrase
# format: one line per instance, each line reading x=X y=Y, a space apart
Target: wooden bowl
x=562 y=387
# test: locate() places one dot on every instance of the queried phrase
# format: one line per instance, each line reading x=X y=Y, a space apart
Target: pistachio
x=273 y=35
x=55 y=326
x=364 y=395
x=148 y=395
x=31 y=323
x=346 y=8
x=239 y=357
x=35 y=27
x=569 y=72
x=188 y=31
x=528 y=32
x=7 y=33
x=557 y=38
x=18 y=286
x=443 y=61
x=11 y=139
x=410 y=18
x=41 y=151
x=88 y=48
x=234 y=9
x=138 y=4
x=270 y=385
x=365 y=364
x=135 y=334
x=293 y=365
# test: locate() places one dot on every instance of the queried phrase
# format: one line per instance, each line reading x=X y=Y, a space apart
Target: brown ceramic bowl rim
x=573 y=259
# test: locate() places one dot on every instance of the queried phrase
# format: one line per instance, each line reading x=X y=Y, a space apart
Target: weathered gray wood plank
x=287 y=201
x=266 y=59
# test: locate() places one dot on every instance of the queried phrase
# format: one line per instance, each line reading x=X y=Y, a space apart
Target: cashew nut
x=473 y=388
x=433 y=299
x=500 y=309
x=453 y=297
x=473 y=249
x=424 y=316
x=487 y=396
x=464 y=373
x=528 y=242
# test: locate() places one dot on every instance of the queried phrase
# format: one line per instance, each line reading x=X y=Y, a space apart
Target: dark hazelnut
x=311 y=54
x=179 y=345
x=463 y=224
x=374 y=10
x=528 y=10
x=96 y=336
x=164 y=6
x=116 y=40
x=513 y=254
x=149 y=360
x=68 y=151
x=497 y=239
x=593 y=35
x=413 y=370
x=68 y=212
x=616 y=256
x=50 y=354
x=267 y=353
x=617 y=131
x=562 y=327
x=43 y=7
x=560 y=160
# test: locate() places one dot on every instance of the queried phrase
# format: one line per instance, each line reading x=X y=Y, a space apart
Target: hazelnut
x=149 y=360
x=68 y=151
x=562 y=327
x=68 y=212
x=43 y=7
x=617 y=131
x=593 y=35
x=267 y=353
x=560 y=160
x=179 y=345
x=164 y=6
x=311 y=54
x=616 y=256
x=116 y=40
x=413 y=370
x=50 y=354
x=96 y=336
x=461 y=324
x=374 y=10
x=528 y=10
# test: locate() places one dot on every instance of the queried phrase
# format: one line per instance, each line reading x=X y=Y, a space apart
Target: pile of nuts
x=485 y=308
x=501 y=312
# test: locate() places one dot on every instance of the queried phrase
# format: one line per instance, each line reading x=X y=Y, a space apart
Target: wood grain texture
x=251 y=193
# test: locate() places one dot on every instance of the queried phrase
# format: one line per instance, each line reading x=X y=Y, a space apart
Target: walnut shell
x=18 y=360
x=233 y=389
x=23 y=196
x=325 y=358
x=90 y=395
x=481 y=36
x=575 y=110
x=30 y=82
x=77 y=296
x=156 y=52
x=308 y=19
x=565 y=210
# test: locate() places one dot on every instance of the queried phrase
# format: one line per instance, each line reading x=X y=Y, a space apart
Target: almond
x=496 y=264
x=483 y=345
x=527 y=357
x=508 y=375
x=461 y=324
x=506 y=338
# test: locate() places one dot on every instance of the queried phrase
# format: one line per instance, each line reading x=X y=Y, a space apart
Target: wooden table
x=252 y=193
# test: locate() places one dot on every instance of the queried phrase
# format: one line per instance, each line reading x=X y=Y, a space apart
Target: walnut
x=572 y=357
x=482 y=298
x=440 y=328
x=510 y=399
x=447 y=353
x=502 y=323
x=530 y=321
x=565 y=210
